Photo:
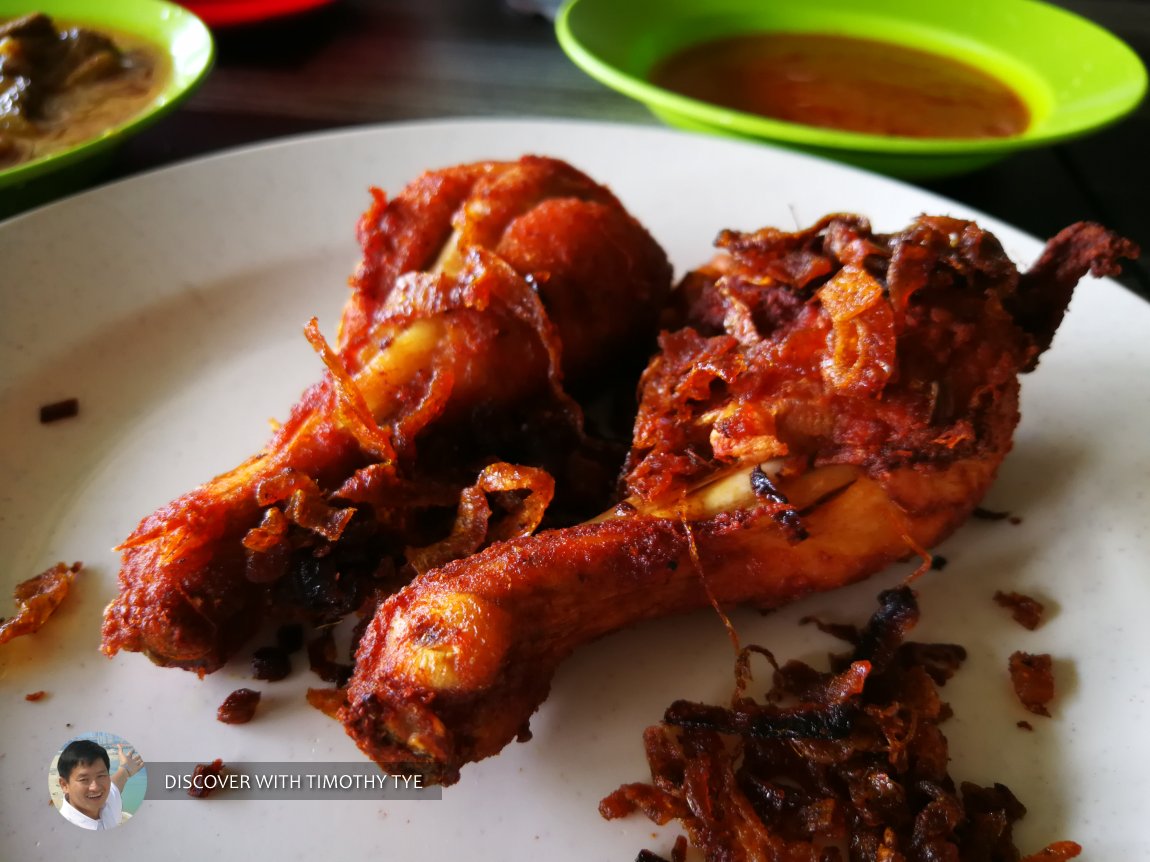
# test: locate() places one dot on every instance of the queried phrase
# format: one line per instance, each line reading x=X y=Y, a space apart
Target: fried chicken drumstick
x=483 y=291
x=838 y=400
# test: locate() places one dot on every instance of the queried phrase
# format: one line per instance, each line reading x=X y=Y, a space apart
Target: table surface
x=355 y=62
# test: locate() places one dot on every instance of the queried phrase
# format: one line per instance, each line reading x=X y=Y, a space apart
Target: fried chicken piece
x=838 y=401
x=484 y=290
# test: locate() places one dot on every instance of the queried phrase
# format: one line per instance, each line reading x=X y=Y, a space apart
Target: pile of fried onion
x=845 y=764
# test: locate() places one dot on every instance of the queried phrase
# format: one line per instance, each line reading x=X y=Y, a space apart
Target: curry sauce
x=61 y=85
x=842 y=82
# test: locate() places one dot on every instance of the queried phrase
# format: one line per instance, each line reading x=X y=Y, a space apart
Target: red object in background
x=225 y=13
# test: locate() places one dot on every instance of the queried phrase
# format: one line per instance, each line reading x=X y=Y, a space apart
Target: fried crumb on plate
x=37 y=599
x=1033 y=678
x=239 y=707
x=1027 y=611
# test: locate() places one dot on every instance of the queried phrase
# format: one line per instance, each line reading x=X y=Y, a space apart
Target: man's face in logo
x=87 y=787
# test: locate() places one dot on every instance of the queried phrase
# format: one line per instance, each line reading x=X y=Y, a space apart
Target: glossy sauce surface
x=61 y=84
x=846 y=83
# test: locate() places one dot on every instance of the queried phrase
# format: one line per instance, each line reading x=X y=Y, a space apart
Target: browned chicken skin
x=837 y=401
x=484 y=291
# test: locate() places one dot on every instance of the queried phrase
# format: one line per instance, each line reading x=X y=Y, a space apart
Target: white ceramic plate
x=172 y=305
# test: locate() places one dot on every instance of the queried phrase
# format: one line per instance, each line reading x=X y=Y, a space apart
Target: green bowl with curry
x=77 y=77
x=904 y=87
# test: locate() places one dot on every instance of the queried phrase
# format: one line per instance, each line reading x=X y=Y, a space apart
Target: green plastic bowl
x=169 y=27
x=1074 y=76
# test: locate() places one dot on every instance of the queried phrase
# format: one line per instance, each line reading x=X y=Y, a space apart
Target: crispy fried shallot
x=827 y=402
x=1032 y=676
x=863 y=776
x=37 y=599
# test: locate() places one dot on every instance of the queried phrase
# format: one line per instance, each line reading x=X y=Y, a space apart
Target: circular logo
x=97 y=780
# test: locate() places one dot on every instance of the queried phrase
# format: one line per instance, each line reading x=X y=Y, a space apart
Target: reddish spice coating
x=1032 y=676
x=239 y=707
x=877 y=377
x=872 y=777
x=1027 y=611
x=838 y=344
x=198 y=789
x=1059 y=851
x=485 y=290
x=329 y=701
x=35 y=696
